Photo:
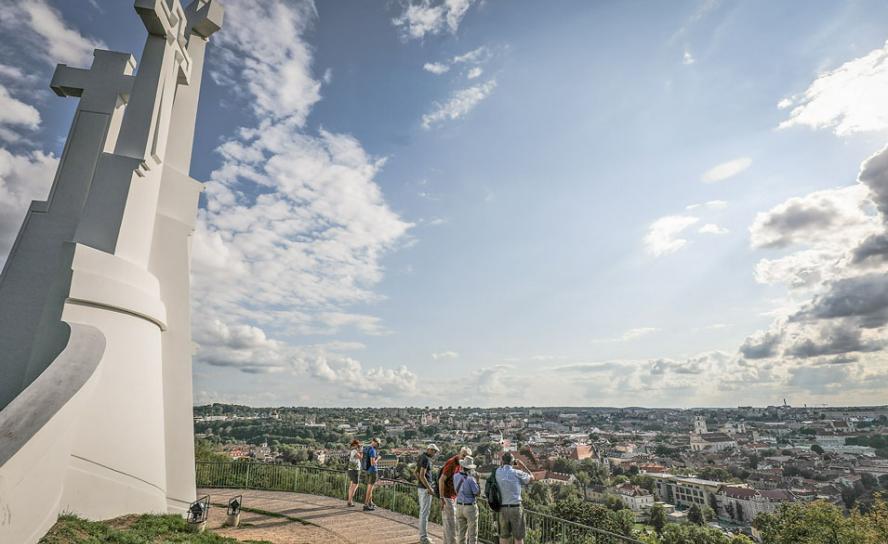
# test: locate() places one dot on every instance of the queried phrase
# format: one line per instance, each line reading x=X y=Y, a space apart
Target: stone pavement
x=349 y=525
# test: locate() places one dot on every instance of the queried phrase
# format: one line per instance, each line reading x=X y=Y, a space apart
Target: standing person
x=354 y=469
x=467 y=491
x=447 y=492
x=425 y=477
x=511 y=515
x=371 y=457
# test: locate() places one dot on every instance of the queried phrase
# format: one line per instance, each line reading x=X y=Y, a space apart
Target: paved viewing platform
x=330 y=520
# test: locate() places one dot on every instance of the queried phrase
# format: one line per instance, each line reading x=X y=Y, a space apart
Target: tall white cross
x=165 y=62
x=101 y=88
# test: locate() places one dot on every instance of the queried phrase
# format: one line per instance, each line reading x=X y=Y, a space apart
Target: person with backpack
x=467 y=491
x=355 y=456
x=447 y=492
x=425 y=481
x=368 y=463
x=509 y=482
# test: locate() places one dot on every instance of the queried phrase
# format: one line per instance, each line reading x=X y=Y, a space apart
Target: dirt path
x=332 y=522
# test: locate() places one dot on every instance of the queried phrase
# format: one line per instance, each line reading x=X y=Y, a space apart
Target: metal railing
x=395 y=495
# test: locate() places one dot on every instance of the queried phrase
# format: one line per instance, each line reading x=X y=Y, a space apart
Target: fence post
x=247 y=484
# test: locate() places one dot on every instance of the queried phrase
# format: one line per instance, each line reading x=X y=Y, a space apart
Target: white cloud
x=11 y=72
x=427 y=17
x=847 y=100
x=350 y=374
x=834 y=216
x=15 y=113
x=663 y=234
x=688 y=58
x=627 y=336
x=263 y=41
x=295 y=226
x=459 y=104
x=475 y=56
x=23 y=178
x=445 y=355
x=436 y=68
x=711 y=205
x=726 y=170
x=49 y=35
x=712 y=228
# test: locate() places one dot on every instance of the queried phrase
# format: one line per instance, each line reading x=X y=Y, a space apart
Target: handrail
x=392 y=494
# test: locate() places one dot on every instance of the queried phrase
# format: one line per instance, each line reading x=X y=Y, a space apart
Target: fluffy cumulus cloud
x=429 y=17
x=42 y=28
x=846 y=100
x=832 y=324
x=15 y=115
x=726 y=170
x=664 y=234
x=460 y=103
x=295 y=226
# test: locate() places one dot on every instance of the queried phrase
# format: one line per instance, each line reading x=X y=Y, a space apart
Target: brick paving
x=331 y=520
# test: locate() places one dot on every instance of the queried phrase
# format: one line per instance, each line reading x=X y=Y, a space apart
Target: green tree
x=817 y=449
x=695 y=515
x=693 y=534
x=824 y=523
x=658 y=518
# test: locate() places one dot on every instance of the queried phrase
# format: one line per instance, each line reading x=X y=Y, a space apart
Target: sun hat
x=433 y=447
x=468 y=463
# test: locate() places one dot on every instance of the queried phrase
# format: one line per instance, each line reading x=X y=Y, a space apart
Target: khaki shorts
x=511 y=522
x=370 y=478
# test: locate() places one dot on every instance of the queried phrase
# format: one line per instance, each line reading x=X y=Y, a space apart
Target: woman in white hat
x=467 y=491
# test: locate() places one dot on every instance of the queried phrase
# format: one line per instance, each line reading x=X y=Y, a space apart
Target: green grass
x=144 y=529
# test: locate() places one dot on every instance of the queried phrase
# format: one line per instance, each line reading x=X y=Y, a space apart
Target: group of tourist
x=455 y=486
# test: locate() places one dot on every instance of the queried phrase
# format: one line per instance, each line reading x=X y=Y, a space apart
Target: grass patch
x=136 y=529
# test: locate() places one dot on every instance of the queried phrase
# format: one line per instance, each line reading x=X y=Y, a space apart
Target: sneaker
x=350 y=505
x=369 y=508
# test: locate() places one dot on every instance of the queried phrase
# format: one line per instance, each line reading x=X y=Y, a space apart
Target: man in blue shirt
x=467 y=491
x=511 y=515
x=372 y=457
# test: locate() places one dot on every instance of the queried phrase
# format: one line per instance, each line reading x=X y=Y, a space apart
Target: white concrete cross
x=165 y=62
x=103 y=87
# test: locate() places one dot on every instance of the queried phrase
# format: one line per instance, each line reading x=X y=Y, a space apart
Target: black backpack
x=365 y=459
x=492 y=492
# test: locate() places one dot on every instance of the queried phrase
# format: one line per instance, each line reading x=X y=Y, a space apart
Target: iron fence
x=395 y=495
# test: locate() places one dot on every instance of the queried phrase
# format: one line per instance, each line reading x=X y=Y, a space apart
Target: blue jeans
x=425 y=508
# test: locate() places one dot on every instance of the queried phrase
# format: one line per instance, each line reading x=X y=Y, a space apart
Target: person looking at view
x=369 y=460
x=447 y=492
x=354 y=469
x=511 y=515
x=467 y=490
x=425 y=477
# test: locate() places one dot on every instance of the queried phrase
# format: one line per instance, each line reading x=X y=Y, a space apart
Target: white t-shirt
x=354 y=462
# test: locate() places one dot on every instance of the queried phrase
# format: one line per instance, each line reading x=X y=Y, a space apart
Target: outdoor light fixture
x=234 y=505
x=234 y=508
x=198 y=511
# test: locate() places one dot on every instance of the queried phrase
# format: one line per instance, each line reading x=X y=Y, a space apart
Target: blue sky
x=503 y=203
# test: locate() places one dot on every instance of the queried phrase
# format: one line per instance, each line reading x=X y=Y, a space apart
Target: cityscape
x=443 y=271
x=719 y=468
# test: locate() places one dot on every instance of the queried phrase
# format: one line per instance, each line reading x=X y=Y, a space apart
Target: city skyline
x=481 y=203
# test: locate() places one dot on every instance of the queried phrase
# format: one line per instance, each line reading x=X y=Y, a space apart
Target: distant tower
x=700 y=425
